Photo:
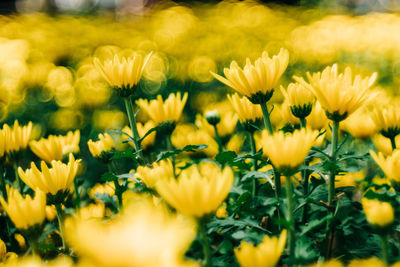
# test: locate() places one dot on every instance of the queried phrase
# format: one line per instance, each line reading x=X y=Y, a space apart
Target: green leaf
x=158 y=128
x=189 y=148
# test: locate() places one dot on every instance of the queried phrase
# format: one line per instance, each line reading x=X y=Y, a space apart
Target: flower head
x=99 y=148
x=151 y=175
x=247 y=111
x=387 y=120
x=266 y=254
x=257 y=81
x=384 y=145
x=389 y=165
x=160 y=110
x=199 y=189
x=378 y=213
x=142 y=129
x=25 y=212
x=317 y=119
x=225 y=127
x=123 y=73
x=359 y=125
x=339 y=94
x=17 y=137
x=299 y=98
x=51 y=180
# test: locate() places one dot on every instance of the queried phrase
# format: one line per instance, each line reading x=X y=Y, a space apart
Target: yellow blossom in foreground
x=225 y=127
x=151 y=175
x=105 y=144
x=51 y=180
x=387 y=119
x=258 y=79
x=371 y=262
x=144 y=235
x=246 y=110
x=384 y=145
x=123 y=73
x=378 y=213
x=329 y=263
x=198 y=190
x=288 y=151
x=56 y=147
x=17 y=137
x=25 y=212
x=142 y=129
x=359 y=125
x=265 y=254
x=160 y=110
x=339 y=94
x=389 y=165
x=299 y=98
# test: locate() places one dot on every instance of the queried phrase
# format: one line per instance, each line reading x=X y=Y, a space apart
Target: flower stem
x=61 y=224
x=303 y=122
x=118 y=189
x=205 y=242
x=3 y=184
x=267 y=121
x=132 y=122
x=305 y=175
x=253 y=151
x=290 y=220
x=218 y=138
x=393 y=142
x=384 y=247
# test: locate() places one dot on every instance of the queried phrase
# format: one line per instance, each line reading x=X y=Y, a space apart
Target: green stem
x=132 y=122
x=303 y=122
x=171 y=148
x=3 y=184
x=393 y=142
x=278 y=184
x=290 y=220
x=267 y=121
x=305 y=175
x=384 y=246
x=205 y=242
x=61 y=224
x=253 y=151
x=218 y=138
x=118 y=189
x=76 y=191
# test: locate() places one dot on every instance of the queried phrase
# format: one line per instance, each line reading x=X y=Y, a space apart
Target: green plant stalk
x=290 y=219
x=305 y=175
x=3 y=184
x=218 y=139
x=393 y=142
x=267 y=120
x=303 y=122
x=384 y=247
x=61 y=224
x=205 y=242
x=253 y=151
x=118 y=189
x=132 y=122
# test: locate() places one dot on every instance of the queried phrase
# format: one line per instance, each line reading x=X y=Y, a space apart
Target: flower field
x=202 y=134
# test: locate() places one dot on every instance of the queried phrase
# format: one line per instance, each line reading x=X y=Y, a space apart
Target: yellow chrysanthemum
x=257 y=81
x=266 y=254
x=329 y=263
x=98 y=148
x=198 y=190
x=51 y=180
x=317 y=119
x=144 y=235
x=378 y=213
x=56 y=147
x=225 y=127
x=349 y=179
x=288 y=151
x=299 y=98
x=91 y=211
x=384 y=145
x=108 y=189
x=359 y=125
x=123 y=73
x=3 y=250
x=387 y=120
x=389 y=165
x=21 y=241
x=339 y=94
x=246 y=110
x=142 y=129
x=51 y=212
x=25 y=212
x=151 y=175
x=17 y=137
x=235 y=143
x=286 y=115
x=371 y=262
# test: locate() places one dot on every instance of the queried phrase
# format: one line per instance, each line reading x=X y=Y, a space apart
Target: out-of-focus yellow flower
x=92 y=211
x=3 y=250
x=184 y=135
x=387 y=120
x=359 y=125
x=104 y=145
x=144 y=235
x=108 y=189
x=299 y=98
x=246 y=110
x=159 y=171
x=235 y=143
x=257 y=81
x=199 y=189
x=349 y=179
x=339 y=94
x=226 y=125
x=17 y=137
x=142 y=129
x=161 y=111
x=288 y=151
x=65 y=119
x=56 y=147
x=317 y=119
x=123 y=73
x=51 y=180
x=371 y=262
x=378 y=213
x=266 y=254
x=21 y=241
x=389 y=165
x=286 y=115
x=51 y=212
x=108 y=119
x=25 y=212
x=221 y=211
x=329 y=263
x=384 y=145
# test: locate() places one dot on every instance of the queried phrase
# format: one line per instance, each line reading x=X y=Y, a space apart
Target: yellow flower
x=151 y=175
x=161 y=111
x=51 y=212
x=286 y=115
x=51 y=180
x=349 y=179
x=92 y=211
x=143 y=235
x=108 y=189
x=257 y=81
x=199 y=189
x=246 y=110
x=142 y=129
x=371 y=262
x=299 y=98
x=104 y=145
x=235 y=143
x=383 y=144
x=25 y=212
x=378 y=213
x=221 y=211
x=359 y=125
x=17 y=137
x=389 y=165
x=339 y=94
x=3 y=250
x=288 y=151
x=225 y=127
x=56 y=147
x=266 y=254
x=317 y=119
x=329 y=263
x=21 y=241
x=387 y=120
x=123 y=73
